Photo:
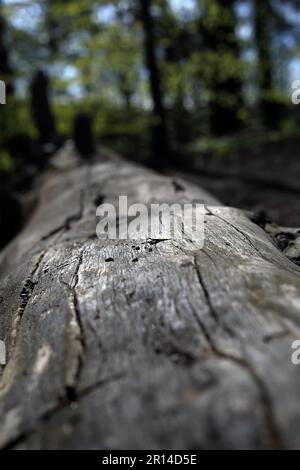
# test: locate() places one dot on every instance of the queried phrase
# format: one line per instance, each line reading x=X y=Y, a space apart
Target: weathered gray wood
x=184 y=348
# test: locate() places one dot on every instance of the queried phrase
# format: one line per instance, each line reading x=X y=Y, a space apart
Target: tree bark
x=146 y=344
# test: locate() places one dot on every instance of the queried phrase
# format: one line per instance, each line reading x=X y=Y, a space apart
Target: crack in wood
x=76 y=337
x=169 y=347
x=214 y=313
x=274 y=336
x=273 y=437
x=213 y=310
x=25 y=296
x=61 y=405
x=67 y=224
x=70 y=220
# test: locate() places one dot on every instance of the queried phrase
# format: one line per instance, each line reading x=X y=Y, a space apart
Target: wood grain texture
x=152 y=344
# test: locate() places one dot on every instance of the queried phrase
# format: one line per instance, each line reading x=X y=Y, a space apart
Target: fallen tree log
x=122 y=345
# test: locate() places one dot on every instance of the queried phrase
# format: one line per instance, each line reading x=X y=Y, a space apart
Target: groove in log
x=183 y=348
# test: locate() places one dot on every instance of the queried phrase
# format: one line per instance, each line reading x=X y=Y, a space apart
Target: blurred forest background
x=197 y=86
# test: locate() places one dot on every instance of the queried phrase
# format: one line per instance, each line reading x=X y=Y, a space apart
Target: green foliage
x=16 y=118
x=6 y=163
x=93 y=51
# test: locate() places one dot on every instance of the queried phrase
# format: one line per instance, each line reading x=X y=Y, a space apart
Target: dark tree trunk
x=262 y=26
x=5 y=65
x=10 y=216
x=225 y=93
x=83 y=135
x=159 y=127
x=41 y=109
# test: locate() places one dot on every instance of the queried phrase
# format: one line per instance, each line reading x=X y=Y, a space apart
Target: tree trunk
x=262 y=27
x=225 y=89
x=42 y=114
x=5 y=66
x=6 y=77
x=146 y=344
x=159 y=128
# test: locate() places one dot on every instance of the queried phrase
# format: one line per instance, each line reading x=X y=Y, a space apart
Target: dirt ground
x=266 y=180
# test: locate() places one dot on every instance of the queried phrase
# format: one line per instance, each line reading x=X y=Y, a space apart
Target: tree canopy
x=163 y=71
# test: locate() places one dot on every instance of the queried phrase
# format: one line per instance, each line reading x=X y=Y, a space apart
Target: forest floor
x=265 y=179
